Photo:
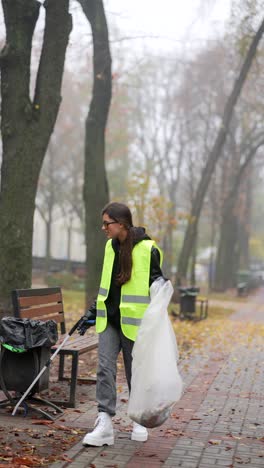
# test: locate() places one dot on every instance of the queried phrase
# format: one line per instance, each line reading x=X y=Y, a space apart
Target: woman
x=131 y=263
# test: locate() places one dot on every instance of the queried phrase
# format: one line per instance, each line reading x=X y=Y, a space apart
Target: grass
x=216 y=333
x=74 y=306
x=227 y=296
x=75 y=301
x=76 y=298
x=190 y=335
x=214 y=312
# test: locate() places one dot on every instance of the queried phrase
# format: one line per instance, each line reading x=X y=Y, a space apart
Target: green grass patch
x=219 y=312
x=75 y=301
x=72 y=297
x=214 y=312
x=227 y=296
x=74 y=306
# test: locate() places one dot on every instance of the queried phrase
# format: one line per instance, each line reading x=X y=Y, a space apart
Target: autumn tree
x=96 y=193
x=215 y=154
x=228 y=254
x=26 y=124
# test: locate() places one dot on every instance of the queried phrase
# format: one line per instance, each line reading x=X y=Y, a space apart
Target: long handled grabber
x=46 y=365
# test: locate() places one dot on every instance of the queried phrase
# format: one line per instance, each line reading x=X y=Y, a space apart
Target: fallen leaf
x=214 y=442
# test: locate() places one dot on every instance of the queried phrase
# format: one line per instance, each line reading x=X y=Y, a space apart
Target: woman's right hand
x=85 y=322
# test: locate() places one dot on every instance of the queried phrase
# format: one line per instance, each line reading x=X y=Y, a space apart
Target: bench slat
x=80 y=347
x=80 y=342
x=45 y=312
x=39 y=300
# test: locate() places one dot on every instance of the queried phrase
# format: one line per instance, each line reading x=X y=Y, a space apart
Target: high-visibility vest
x=134 y=293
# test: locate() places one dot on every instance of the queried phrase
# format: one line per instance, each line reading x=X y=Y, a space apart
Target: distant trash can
x=243 y=280
x=247 y=281
x=242 y=289
x=25 y=349
x=188 y=301
x=243 y=276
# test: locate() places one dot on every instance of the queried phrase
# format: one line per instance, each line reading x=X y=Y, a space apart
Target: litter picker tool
x=46 y=366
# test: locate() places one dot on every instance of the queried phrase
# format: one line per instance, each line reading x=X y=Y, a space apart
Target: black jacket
x=113 y=300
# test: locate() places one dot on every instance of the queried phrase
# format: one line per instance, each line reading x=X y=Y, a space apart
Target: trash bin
x=188 y=301
x=243 y=276
x=242 y=281
x=246 y=280
x=18 y=370
x=25 y=349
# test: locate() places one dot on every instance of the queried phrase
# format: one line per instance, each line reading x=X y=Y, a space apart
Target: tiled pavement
x=218 y=421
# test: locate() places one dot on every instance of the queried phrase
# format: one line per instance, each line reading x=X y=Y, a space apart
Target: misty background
x=173 y=68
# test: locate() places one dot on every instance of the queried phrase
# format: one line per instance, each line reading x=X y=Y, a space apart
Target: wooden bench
x=47 y=304
x=189 y=309
x=204 y=305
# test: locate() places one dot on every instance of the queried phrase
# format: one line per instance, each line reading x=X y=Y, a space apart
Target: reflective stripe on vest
x=136 y=299
x=100 y=313
x=131 y=321
x=103 y=292
x=134 y=293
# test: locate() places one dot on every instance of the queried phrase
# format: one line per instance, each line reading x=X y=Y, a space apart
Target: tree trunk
x=213 y=231
x=69 y=243
x=224 y=273
x=226 y=263
x=167 y=243
x=95 y=192
x=48 y=224
x=214 y=156
x=244 y=226
x=26 y=128
x=193 y=263
x=167 y=252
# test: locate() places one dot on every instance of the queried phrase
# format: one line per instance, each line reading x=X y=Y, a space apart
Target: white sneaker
x=103 y=433
x=139 y=433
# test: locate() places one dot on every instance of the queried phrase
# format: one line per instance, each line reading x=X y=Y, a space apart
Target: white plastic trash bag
x=156 y=383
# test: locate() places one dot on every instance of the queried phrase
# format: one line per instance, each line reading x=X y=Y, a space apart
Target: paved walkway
x=218 y=421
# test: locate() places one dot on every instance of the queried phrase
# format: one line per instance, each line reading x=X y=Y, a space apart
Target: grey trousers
x=111 y=341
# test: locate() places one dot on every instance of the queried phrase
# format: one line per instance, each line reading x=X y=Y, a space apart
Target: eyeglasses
x=106 y=223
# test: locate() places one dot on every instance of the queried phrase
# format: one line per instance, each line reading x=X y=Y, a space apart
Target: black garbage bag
x=23 y=334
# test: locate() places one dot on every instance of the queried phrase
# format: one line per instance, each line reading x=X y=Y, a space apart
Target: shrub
x=65 y=280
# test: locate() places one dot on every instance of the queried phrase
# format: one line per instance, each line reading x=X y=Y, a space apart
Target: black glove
x=85 y=322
